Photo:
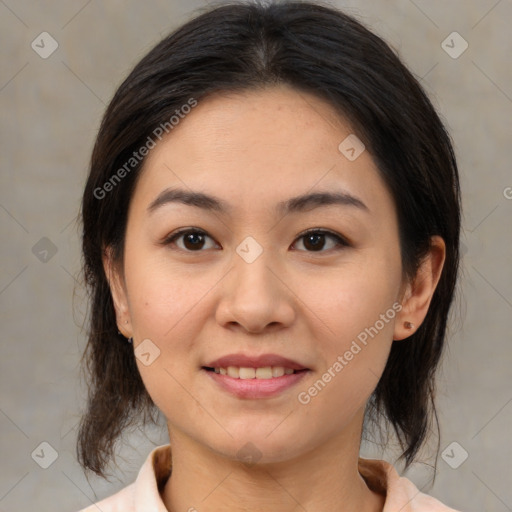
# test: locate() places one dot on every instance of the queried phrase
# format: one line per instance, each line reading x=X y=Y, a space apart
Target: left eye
x=314 y=240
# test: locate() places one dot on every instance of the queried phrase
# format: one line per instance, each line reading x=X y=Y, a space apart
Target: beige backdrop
x=51 y=108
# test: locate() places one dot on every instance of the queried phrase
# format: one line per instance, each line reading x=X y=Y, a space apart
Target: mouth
x=254 y=383
x=249 y=373
x=251 y=377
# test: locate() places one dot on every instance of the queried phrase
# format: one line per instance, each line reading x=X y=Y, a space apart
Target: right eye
x=193 y=239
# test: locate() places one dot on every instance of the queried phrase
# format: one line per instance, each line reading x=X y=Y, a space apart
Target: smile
x=265 y=372
x=254 y=383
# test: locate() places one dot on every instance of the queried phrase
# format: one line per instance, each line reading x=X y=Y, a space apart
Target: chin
x=257 y=446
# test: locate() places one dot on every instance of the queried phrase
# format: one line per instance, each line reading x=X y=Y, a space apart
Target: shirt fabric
x=144 y=495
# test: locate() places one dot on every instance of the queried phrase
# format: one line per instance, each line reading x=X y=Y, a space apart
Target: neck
x=325 y=478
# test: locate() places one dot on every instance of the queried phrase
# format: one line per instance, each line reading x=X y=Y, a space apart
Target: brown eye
x=193 y=239
x=315 y=240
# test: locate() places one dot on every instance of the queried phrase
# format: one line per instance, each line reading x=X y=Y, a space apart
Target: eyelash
x=340 y=241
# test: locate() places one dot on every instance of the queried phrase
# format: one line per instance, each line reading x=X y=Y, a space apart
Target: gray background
x=51 y=109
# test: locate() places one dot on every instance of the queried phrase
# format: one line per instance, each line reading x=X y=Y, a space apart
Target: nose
x=255 y=296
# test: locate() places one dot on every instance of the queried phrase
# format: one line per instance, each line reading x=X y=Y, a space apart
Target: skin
x=253 y=150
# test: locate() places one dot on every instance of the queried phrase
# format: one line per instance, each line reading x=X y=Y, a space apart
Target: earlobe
x=420 y=292
x=118 y=293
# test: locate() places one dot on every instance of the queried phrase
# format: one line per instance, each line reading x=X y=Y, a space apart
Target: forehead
x=259 y=147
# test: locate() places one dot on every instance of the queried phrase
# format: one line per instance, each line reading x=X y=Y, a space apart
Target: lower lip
x=256 y=388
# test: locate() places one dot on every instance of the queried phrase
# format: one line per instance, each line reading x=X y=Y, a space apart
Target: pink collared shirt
x=143 y=495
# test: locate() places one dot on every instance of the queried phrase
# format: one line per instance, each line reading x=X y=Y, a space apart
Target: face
x=246 y=277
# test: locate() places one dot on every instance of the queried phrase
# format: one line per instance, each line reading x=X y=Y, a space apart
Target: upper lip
x=246 y=361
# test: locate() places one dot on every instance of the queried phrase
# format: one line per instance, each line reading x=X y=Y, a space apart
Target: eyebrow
x=296 y=204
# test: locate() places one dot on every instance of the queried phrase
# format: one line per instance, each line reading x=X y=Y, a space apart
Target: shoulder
x=121 y=501
x=404 y=491
x=143 y=494
x=401 y=494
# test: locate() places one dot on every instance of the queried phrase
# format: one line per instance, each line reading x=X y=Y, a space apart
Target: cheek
x=164 y=297
x=167 y=307
x=353 y=297
x=354 y=310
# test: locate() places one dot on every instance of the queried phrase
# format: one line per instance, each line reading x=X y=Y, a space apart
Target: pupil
x=192 y=237
x=317 y=242
x=314 y=240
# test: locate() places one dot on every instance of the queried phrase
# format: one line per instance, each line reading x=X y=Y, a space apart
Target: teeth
x=247 y=373
x=234 y=372
x=277 y=371
x=266 y=372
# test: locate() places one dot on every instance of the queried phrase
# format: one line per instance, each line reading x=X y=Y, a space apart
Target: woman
x=270 y=237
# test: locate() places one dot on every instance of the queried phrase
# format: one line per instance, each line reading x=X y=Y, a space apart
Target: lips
x=255 y=377
x=261 y=361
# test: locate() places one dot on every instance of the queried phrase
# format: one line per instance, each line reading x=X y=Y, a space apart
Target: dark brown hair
x=315 y=49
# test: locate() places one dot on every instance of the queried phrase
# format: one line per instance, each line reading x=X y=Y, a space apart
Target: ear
x=419 y=292
x=118 y=291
